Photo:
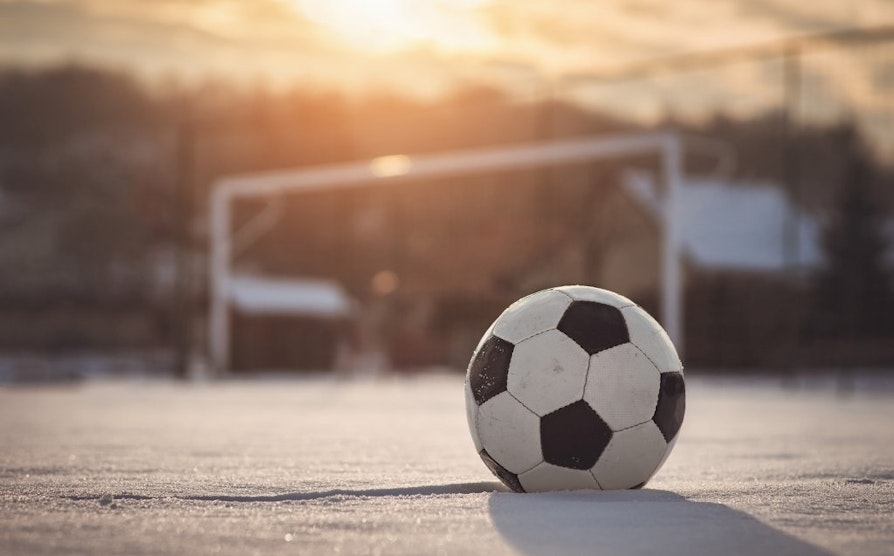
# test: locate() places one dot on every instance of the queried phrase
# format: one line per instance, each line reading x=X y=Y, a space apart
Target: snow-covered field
x=387 y=466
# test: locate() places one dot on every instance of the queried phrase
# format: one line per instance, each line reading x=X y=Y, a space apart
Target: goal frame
x=394 y=169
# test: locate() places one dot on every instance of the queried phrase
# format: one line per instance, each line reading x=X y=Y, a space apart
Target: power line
x=723 y=56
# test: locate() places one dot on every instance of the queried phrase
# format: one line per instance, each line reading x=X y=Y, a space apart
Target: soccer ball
x=574 y=388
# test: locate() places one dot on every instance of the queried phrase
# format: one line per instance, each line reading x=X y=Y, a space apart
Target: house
x=746 y=252
x=737 y=226
x=296 y=324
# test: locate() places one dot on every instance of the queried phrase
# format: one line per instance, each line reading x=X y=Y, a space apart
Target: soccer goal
x=383 y=171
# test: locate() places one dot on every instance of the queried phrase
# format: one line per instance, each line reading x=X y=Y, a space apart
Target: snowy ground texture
x=387 y=466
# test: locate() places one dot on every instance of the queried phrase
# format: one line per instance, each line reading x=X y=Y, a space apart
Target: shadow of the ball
x=634 y=522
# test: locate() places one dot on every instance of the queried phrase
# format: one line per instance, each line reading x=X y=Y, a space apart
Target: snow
x=734 y=225
x=322 y=298
x=386 y=465
x=742 y=226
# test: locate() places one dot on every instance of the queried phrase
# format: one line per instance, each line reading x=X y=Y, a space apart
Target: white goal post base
x=384 y=170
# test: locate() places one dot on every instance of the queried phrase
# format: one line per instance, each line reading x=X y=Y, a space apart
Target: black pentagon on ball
x=671 y=405
x=490 y=369
x=594 y=326
x=509 y=479
x=573 y=436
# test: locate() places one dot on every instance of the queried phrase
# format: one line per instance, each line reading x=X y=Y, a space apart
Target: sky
x=424 y=44
x=428 y=47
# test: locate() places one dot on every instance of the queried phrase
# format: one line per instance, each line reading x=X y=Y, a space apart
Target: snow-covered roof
x=735 y=226
x=318 y=298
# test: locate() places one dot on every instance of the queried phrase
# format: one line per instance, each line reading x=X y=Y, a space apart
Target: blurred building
x=747 y=252
x=293 y=324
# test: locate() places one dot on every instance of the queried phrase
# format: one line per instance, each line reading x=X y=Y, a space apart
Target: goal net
x=430 y=246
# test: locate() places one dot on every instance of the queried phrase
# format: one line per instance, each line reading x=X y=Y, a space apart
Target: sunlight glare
x=390 y=25
x=389 y=166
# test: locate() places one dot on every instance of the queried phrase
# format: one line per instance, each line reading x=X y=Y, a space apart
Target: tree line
x=92 y=174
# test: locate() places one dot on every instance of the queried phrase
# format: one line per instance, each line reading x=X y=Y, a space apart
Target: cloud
x=177 y=34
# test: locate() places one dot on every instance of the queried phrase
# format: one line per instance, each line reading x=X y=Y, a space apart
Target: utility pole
x=791 y=248
x=792 y=96
x=183 y=310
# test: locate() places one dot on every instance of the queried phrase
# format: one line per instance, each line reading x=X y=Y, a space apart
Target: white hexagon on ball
x=631 y=457
x=546 y=477
x=531 y=315
x=548 y=371
x=623 y=386
x=651 y=338
x=510 y=433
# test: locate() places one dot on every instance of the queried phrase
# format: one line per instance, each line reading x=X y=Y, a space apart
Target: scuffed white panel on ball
x=548 y=371
x=622 y=386
x=631 y=458
x=510 y=433
x=589 y=293
x=650 y=337
x=531 y=315
x=546 y=477
x=472 y=415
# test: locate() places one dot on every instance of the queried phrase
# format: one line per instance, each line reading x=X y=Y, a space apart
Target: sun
x=392 y=25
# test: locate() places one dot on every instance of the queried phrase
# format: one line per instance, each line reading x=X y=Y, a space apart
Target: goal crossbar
x=394 y=169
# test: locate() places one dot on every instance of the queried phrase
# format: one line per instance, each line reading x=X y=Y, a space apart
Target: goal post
x=388 y=170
